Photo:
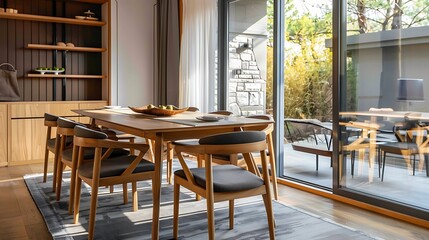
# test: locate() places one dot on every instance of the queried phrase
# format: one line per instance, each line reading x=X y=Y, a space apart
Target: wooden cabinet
x=25 y=142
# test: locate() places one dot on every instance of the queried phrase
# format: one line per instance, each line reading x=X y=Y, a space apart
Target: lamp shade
x=410 y=89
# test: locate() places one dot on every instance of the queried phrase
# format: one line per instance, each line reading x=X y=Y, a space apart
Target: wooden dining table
x=160 y=129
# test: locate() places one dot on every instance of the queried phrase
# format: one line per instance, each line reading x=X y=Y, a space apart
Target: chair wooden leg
x=135 y=196
x=200 y=165
x=270 y=216
x=45 y=165
x=78 y=190
x=176 y=210
x=169 y=162
x=209 y=197
x=73 y=179
x=56 y=161
x=92 y=211
x=231 y=214
x=111 y=188
x=273 y=166
x=125 y=193
x=59 y=180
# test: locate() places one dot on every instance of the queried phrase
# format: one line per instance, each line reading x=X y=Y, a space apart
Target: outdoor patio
x=398 y=185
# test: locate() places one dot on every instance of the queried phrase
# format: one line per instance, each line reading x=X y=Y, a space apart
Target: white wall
x=132 y=51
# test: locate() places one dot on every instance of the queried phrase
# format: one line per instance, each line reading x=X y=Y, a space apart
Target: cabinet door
x=27 y=139
x=3 y=135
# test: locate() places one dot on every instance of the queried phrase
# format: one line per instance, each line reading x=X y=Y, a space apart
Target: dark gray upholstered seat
x=226 y=178
x=51 y=142
x=116 y=166
x=89 y=153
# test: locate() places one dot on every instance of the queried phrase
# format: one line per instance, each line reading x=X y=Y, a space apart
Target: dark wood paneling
x=16 y=34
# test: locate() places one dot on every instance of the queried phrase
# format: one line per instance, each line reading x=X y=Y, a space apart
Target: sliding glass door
x=355 y=101
x=308 y=92
x=384 y=102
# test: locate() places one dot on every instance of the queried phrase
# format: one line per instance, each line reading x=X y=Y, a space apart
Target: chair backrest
x=50 y=120
x=265 y=128
x=305 y=129
x=66 y=127
x=234 y=142
x=193 y=109
x=85 y=137
x=222 y=112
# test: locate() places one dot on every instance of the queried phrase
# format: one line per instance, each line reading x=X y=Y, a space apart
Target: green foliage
x=379 y=14
x=308 y=66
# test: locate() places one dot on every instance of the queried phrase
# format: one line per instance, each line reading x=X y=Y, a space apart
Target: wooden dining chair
x=50 y=144
x=65 y=129
x=235 y=158
x=105 y=170
x=224 y=182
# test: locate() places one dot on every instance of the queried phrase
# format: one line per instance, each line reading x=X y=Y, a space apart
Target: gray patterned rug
x=116 y=221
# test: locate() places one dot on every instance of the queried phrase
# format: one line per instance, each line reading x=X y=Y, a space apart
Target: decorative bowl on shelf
x=158 y=111
x=43 y=71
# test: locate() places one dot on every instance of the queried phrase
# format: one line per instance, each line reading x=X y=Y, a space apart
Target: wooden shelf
x=92 y=1
x=55 y=47
x=28 y=17
x=36 y=75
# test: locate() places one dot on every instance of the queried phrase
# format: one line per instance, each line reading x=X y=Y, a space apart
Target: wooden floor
x=20 y=218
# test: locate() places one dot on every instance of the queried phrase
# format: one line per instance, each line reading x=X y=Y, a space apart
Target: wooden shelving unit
x=29 y=17
x=55 y=47
x=36 y=75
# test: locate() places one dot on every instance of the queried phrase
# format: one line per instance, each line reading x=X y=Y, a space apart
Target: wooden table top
x=180 y=122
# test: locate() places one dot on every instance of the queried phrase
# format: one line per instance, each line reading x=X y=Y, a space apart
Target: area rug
x=115 y=220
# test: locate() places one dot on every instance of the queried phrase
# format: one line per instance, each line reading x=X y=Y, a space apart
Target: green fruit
x=39 y=68
x=150 y=106
x=170 y=107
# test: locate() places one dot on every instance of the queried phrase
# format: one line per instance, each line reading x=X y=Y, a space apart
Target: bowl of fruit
x=161 y=110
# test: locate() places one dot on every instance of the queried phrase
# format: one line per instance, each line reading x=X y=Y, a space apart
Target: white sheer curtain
x=198 y=54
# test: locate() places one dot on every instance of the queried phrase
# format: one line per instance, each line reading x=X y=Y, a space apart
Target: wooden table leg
x=156 y=185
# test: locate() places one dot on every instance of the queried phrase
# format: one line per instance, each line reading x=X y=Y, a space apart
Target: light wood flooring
x=20 y=218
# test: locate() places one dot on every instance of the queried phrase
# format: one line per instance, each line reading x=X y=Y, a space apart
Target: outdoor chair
x=310 y=136
x=224 y=182
x=105 y=170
